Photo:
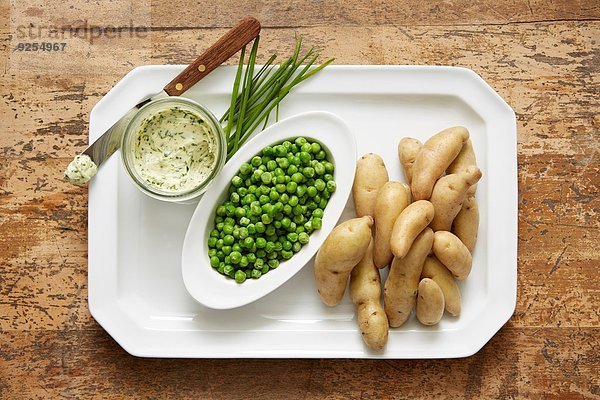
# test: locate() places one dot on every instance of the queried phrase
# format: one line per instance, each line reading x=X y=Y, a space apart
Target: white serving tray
x=136 y=291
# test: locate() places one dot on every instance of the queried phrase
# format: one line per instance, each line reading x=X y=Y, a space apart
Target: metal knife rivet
x=201 y=67
x=179 y=86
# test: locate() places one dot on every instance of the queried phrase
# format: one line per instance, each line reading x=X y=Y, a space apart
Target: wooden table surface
x=542 y=57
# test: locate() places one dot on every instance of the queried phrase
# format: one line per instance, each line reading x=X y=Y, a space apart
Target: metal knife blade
x=110 y=141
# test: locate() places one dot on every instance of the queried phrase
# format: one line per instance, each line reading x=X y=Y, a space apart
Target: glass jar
x=134 y=153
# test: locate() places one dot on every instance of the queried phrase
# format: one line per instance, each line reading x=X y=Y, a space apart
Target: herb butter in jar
x=173 y=148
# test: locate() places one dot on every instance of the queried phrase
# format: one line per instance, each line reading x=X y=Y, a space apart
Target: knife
x=229 y=44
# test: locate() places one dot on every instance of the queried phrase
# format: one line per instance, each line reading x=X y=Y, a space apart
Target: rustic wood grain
x=542 y=57
x=518 y=362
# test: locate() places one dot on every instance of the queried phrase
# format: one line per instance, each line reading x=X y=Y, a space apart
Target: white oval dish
x=214 y=290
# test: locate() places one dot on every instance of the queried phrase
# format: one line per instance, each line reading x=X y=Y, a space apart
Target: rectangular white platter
x=136 y=290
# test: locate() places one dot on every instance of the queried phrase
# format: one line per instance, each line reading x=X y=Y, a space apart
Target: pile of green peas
x=275 y=201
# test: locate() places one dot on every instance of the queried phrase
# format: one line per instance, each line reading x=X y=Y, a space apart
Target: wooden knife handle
x=229 y=44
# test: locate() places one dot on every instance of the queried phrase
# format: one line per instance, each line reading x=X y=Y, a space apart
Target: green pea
x=228 y=240
x=256 y=175
x=329 y=168
x=308 y=226
x=246 y=169
x=221 y=211
x=331 y=186
x=320 y=185
x=255 y=274
x=318 y=213
x=291 y=187
x=244 y=261
x=320 y=155
x=297 y=177
x=252 y=189
x=293 y=201
x=212 y=242
x=308 y=172
x=271 y=165
x=240 y=276
x=286 y=254
x=323 y=203
x=220 y=226
x=251 y=258
x=219 y=244
x=287 y=145
x=260 y=242
x=259 y=263
x=326 y=195
x=240 y=212
x=303 y=238
x=311 y=191
x=266 y=219
x=273 y=195
x=266 y=177
x=292 y=237
x=226 y=250
x=214 y=261
x=261 y=253
x=294 y=160
x=299 y=219
x=280 y=179
x=263 y=199
x=214 y=233
x=327 y=177
x=287 y=209
x=255 y=208
x=315 y=148
x=300 y=140
x=243 y=233
x=264 y=269
x=287 y=245
x=292 y=227
x=296 y=247
x=280 y=150
x=244 y=221
x=272 y=256
x=319 y=168
x=301 y=190
x=283 y=163
x=267 y=151
x=256 y=161
x=235 y=257
x=305 y=158
x=278 y=206
x=269 y=247
x=292 y=170
x=285 y=222
x=305 y=147
x=316 y=223
x=270 y=231
x=284 y=198
x=212 y=252
x=278 y=246
x=260 y=227
x=228 y=269
x=237 y=181
x=234 y=197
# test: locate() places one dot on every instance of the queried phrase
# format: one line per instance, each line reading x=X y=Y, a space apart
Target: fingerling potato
x=408 y=148
x=365 y=290
x=411 y=221
x=435 y=270
x=466 y=223
x=392 y=199
x=370 y=176
x=448 y=195
x=465 y=159
x=430 y=302
x=401 y=285
x=451 y=251
x=434 y=158
x=342 y=250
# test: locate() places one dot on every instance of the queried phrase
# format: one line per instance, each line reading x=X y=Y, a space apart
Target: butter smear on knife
x=80 y=170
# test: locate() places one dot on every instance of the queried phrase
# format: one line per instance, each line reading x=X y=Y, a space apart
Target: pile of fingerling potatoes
x=425 y=232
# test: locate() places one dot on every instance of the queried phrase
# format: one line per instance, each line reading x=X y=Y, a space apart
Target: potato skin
x=435 y=270
x=408 y=148
x=370 y=176
x=465 y=159
x=401 y=285
x=434 y=158
x=448 y=195
x=392 y=199
x=451 y=251
x=342 y=250
x=466 y=223
x=411 y=221
x=365 y=290
x=430 y=302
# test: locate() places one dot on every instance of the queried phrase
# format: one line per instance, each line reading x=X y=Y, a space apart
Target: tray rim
x=120 y=323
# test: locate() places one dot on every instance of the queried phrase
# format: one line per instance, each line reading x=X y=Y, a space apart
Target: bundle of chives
x=256 y=94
